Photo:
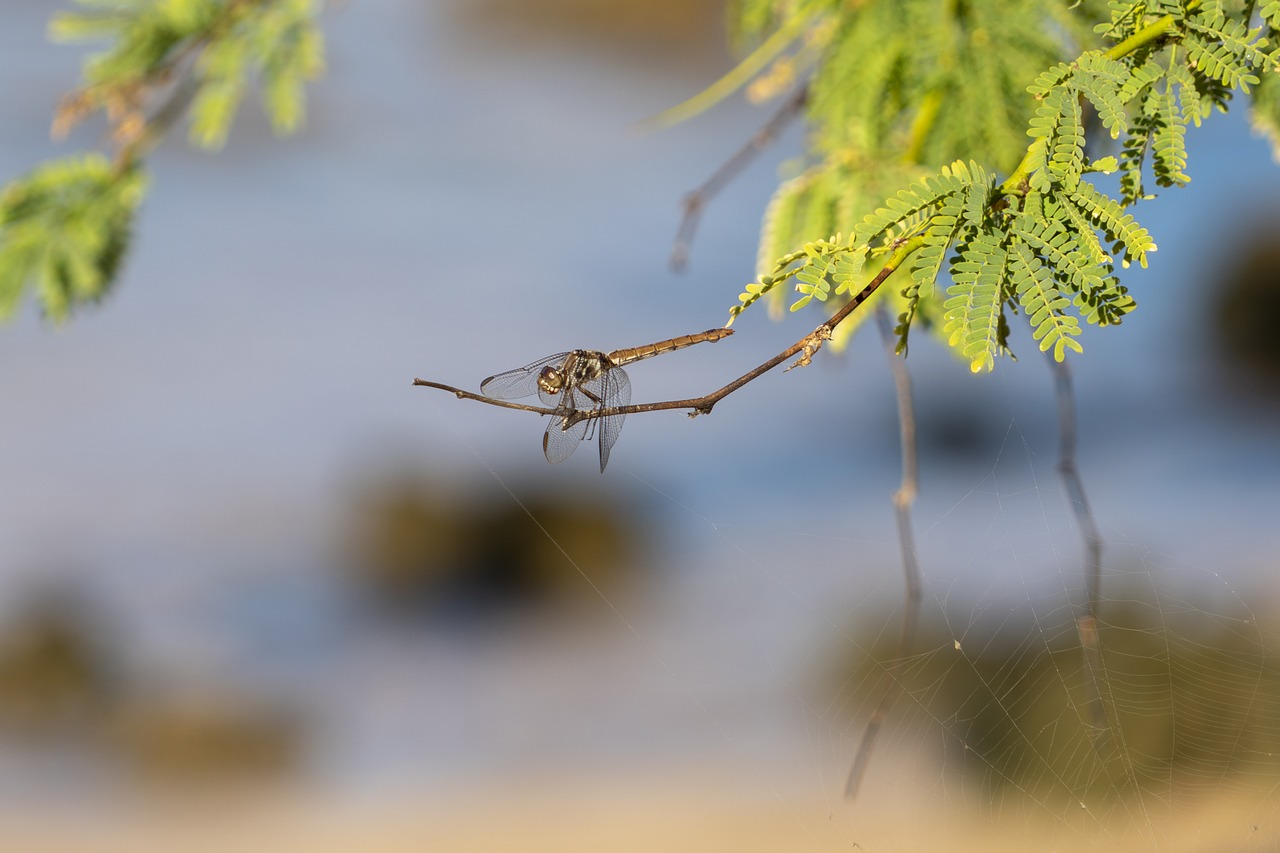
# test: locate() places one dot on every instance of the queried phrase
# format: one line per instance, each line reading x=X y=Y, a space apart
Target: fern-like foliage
x=908 y=205
x=222 y=43
x=1059 y=125
x=64 y=227
x=1225 y=50
x=1044 y=242
x=947 y=80
x=974 y=307
x=1129 y=239
x=1043 y=301
x=1168 y=137
x=1100 y=80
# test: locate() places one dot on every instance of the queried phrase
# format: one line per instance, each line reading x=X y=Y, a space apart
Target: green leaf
x=814 y=279
x=1226 y=55
x=1100 y=79
x=222 y=71
x=1051 y=79
x=919 y=198
x=1119 y=226
x=1271 y=14
x=1067 y=253
x=1168 y=141
x=64 y=229
x=1043 y=303
x=942 y=231
x=973 y=309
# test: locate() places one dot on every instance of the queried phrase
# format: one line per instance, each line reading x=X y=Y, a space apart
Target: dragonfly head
x=551 y=380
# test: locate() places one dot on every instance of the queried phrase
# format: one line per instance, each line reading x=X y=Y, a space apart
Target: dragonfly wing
x=521 y=382
x=559 y=442
x=617 y=392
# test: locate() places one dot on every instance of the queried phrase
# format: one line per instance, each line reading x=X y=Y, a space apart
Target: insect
x=583 y=381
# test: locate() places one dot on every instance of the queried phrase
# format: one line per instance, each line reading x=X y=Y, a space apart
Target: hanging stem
x=696 y=200
x=903 y=499
x=1091 y=540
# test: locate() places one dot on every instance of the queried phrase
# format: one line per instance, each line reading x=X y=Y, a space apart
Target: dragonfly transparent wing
x=558 y=443
x=523 y=381
x=617 y=392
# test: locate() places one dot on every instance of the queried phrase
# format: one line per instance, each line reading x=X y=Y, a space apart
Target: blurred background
x=256 y=589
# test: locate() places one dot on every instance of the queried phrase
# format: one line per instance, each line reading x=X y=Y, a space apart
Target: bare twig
x=467 y=395
x=137 y=142
x=903 y=499
x=806 y=347
x=1086 y=622
x=696 y=200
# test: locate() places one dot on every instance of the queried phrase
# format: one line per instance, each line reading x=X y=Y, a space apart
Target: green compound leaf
x=64 y=229
x=1067 y=253
x=1044 y=303
x=973 y=309
x=917 y=199
x=1119 y=226
x=1169 y=140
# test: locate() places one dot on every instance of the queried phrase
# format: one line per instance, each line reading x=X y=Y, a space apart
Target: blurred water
x=455 y=208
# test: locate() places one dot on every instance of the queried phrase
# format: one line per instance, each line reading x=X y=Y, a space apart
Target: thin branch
x=479 y=398
x=696 y=200
x=1086 y=622
x=160 y=122
x=903 y=499
x=806 y=347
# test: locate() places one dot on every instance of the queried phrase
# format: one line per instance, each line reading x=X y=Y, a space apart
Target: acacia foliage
x=941 y=98
x=66 y=225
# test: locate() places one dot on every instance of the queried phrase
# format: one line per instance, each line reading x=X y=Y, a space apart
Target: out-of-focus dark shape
x=207 y=737
x=673 y=30
x=415 y=546
x=58 y=674
x=64 y=682
x=951 y=429
x=404 y=539
x=1193 y=697
x=1247 y=302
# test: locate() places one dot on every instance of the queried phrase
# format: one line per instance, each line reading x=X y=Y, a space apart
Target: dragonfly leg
x=597 y=402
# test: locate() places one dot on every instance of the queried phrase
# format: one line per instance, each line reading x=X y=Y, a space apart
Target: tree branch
x=696 y=200
x=806 y=347
x=467 y=395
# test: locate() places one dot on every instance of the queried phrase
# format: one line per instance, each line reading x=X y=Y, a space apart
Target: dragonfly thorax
x=581 y=366
x=586 y=392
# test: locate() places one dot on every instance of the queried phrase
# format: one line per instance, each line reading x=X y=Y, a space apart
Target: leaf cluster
x=65 y=229
x=1045 y=241
x=896 y=87
x=65 y=225
x=215 y=46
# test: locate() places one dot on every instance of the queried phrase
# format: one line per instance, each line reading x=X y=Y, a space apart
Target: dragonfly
x=583 y=381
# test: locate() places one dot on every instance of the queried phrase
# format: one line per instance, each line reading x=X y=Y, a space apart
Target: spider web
x=992 y=732
x=776 y=642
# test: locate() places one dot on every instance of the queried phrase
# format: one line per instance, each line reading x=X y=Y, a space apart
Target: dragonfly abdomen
x=626 y=356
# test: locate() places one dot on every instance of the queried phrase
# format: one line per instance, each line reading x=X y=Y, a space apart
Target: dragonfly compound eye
x=551 y=380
